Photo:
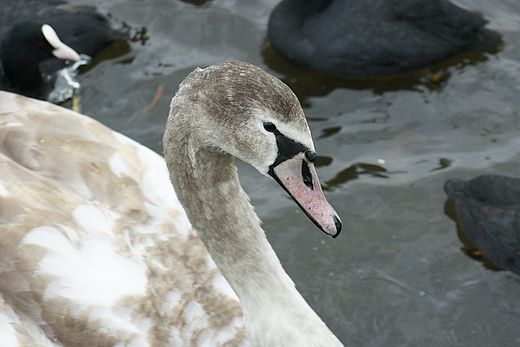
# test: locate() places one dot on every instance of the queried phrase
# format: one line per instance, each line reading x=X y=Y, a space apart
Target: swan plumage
x=96 y=248
x=62 y=222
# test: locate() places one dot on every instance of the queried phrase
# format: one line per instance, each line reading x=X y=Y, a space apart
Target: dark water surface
x=398 y=274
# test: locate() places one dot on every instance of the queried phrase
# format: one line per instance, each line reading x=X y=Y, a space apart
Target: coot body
x=81 y=27
x=488 y=210
x=374 y=37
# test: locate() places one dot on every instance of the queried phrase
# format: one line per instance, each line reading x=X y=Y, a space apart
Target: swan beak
x=298 y=177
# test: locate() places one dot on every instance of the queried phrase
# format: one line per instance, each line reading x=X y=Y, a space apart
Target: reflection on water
x=307 y=83
x=443 y=164
x=355 y=171
x=198 y=2
x=330 y=131
x=396 y=276
x=117 y=49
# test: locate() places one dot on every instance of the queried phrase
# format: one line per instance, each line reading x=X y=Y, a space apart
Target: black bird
x=80 y=27
x=26 y=45
x=488 y=210
x=374 y=37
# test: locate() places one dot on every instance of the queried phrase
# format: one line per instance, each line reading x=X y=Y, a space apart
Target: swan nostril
x=306 y=175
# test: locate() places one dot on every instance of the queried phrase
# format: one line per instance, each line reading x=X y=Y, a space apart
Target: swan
x=98 y=249
x=374 y=37
x=488 y=210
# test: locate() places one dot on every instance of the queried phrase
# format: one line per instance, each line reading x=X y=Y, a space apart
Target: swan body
x=488 y=210
x=374 y=37
x=97 y=248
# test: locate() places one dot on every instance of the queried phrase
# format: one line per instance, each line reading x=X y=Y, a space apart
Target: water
x=397 y=275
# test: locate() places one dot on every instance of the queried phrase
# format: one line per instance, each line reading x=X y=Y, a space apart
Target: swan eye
x=269 y=127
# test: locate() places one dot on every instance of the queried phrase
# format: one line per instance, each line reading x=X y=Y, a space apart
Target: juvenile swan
x=244 y=112
x=96 y=250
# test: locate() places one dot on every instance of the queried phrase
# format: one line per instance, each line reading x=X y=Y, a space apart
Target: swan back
x=83 y=263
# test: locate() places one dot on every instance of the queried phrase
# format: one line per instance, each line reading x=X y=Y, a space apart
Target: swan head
x=239 y=109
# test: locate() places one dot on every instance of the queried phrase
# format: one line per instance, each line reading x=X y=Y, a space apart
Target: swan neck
x=207 y=184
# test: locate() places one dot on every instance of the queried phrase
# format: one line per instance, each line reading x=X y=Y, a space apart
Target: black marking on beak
x=288 y=148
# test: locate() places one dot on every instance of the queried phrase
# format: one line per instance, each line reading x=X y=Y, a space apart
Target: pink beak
x=298 y=177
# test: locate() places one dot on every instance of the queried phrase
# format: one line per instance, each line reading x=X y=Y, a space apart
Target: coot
x=26 y=45
x=488 y=210
x=374 y=37
x=81 y=27
x=78 y=26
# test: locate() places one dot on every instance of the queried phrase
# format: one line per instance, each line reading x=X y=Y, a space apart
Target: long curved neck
x=208 y=187
x=207 y=184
